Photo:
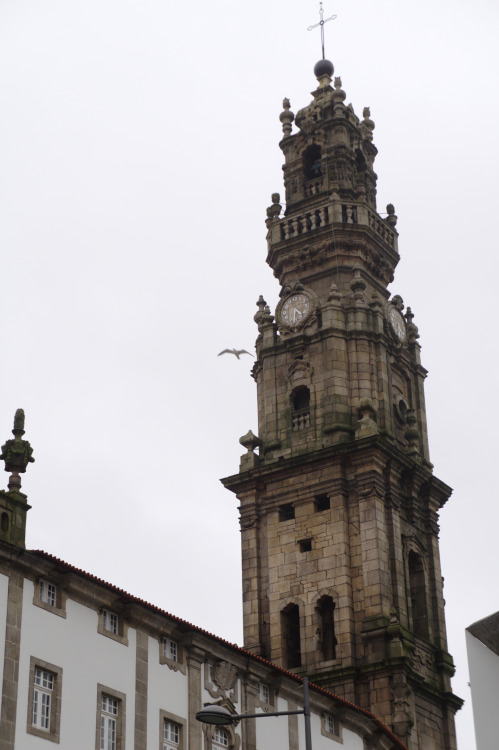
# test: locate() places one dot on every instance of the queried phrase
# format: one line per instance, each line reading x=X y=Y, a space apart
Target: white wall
x=86 y=658
x=484 y=678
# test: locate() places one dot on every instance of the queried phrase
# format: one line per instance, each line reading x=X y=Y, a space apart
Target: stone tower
x=339 y=507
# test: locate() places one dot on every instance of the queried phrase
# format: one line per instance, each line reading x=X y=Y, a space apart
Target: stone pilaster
x=11 y=661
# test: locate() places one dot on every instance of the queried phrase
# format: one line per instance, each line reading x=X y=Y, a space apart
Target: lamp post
x=222 y=717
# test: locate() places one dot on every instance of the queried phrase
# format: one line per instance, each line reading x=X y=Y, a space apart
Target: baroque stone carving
x=223 y=683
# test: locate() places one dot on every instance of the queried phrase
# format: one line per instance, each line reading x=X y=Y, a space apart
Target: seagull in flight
x=235 y=352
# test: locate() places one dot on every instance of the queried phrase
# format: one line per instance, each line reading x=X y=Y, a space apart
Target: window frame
x=336 y=734
x=286 y=512
x=234 y=740
x=178 y=664
x=172 y=719
x=59 y=607
x=53 y=732
x=121 y=634
x=259 y=702
x=106 y=692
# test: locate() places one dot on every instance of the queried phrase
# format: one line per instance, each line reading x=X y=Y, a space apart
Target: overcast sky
x=138 y=152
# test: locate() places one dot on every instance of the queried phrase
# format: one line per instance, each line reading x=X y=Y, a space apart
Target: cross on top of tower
x=321 y=24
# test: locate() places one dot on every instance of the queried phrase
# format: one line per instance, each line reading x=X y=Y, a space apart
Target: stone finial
x=358 y=285
x=367 y=124
x=334 y=295
x=391 y=219
x=412 y=432
x=267 y=317
x=338 y=96
x=17 y=453
x=250 y=441
x=249 y=460
x=286 y=117
x=274 y=210
x=261 y=304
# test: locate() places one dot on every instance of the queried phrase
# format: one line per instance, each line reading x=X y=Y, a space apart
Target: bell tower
x=339 y=506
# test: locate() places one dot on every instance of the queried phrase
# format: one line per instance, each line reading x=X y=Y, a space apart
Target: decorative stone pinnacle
x=274 y=210
x=286 y=117
x=17 y=453
x=357 y=285
x=412 y=432
x=334 y=295
x=391 y=219
x=261 y=308
x=250 y=441
x=412 y=329
x=367 y=124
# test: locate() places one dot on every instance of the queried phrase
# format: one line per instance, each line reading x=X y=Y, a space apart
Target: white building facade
x=482 y=645
x=85 y=665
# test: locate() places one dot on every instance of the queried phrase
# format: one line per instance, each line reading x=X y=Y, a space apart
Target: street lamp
x=222 y=717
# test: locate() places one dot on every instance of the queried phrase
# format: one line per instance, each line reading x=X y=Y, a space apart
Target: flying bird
x=235 y=352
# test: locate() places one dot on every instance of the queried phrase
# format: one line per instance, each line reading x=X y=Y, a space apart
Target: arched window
x=327 y=637
x=418 y=595
x=290 y=633
x=300 y=399
x=220 y=738
x=312 y=164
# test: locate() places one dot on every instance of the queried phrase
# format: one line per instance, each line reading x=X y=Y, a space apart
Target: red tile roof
x=66 y=567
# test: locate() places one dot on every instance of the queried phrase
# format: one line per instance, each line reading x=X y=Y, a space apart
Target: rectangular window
x=331 y=727
x=170 y=649
x=113 y=626
x=321 y=503
x=171 y=735
x=171 y=731
x=263 y=693
x=48 y=593
x=110 y=719
x=44 y=700
x=329 y=724
x=110 y=621
x=286 y=512
x=305 y=545
x=109 y=713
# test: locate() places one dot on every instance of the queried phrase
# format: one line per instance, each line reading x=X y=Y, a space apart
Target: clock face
x=295 y=309
x=398 y=324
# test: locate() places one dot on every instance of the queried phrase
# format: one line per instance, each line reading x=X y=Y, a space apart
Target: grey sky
x=138 y=153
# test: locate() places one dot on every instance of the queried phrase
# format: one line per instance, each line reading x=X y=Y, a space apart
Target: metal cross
x=321 y=24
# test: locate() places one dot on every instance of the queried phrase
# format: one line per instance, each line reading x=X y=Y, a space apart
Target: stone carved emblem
x=223 y=683
x=224 y=675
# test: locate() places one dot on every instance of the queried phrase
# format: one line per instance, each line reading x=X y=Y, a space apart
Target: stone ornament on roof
x=17 y=453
